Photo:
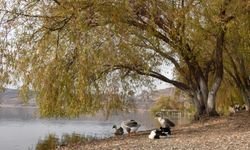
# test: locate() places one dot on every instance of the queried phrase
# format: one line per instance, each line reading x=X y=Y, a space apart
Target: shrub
x=49 y=143
x=71 y=139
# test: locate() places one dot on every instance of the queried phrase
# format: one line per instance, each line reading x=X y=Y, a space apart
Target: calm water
x=20 y=129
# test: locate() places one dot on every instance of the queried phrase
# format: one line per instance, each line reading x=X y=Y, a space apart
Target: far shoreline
x=17 y=106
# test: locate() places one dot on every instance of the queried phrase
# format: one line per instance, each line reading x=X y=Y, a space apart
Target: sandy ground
x=223 y=133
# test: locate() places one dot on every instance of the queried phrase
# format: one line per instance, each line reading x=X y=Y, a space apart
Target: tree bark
x=204 y=91
x=211 y=111
x=200 y=108
x=246 y=97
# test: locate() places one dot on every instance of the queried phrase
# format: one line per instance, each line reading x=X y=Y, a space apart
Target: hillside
x=11 y=98
x=145 y=100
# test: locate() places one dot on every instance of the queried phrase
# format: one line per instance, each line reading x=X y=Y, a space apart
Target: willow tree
x=75 y=53
x=4 y=68
x=238 y=49
x=6 y=54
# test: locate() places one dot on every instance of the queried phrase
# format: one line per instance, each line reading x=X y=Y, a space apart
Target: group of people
x=131 y=126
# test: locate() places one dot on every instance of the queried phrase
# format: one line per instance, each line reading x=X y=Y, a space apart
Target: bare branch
x=29 y=15
x=56 y=1
x=153 y=74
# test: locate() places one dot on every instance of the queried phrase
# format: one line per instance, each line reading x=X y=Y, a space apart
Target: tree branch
x=153 y=74
x=56 y=1
x=29 y=15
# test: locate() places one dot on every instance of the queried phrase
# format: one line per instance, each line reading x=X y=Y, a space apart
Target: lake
x=20 y=128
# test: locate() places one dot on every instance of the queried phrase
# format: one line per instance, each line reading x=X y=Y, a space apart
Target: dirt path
x=224 y=133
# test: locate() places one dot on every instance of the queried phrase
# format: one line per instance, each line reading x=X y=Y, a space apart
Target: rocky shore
x=222 y=133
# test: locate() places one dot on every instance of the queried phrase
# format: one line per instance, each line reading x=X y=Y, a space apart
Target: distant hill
x=11 y=98
x=153 y=95
x=146 y=99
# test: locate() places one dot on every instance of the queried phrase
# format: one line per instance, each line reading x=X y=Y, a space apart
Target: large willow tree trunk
x=246 y=97
x=205 y=105
x=205 y=97
x=200 y=108
x=211 y=111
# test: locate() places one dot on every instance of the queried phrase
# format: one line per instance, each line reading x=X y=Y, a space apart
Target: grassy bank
x=51 y=142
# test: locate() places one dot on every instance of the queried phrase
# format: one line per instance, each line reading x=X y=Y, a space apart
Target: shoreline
x=17 y=106
x=232 y=132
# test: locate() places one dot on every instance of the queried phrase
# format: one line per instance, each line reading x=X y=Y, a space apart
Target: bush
x=49 y=143
x=74 y=138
